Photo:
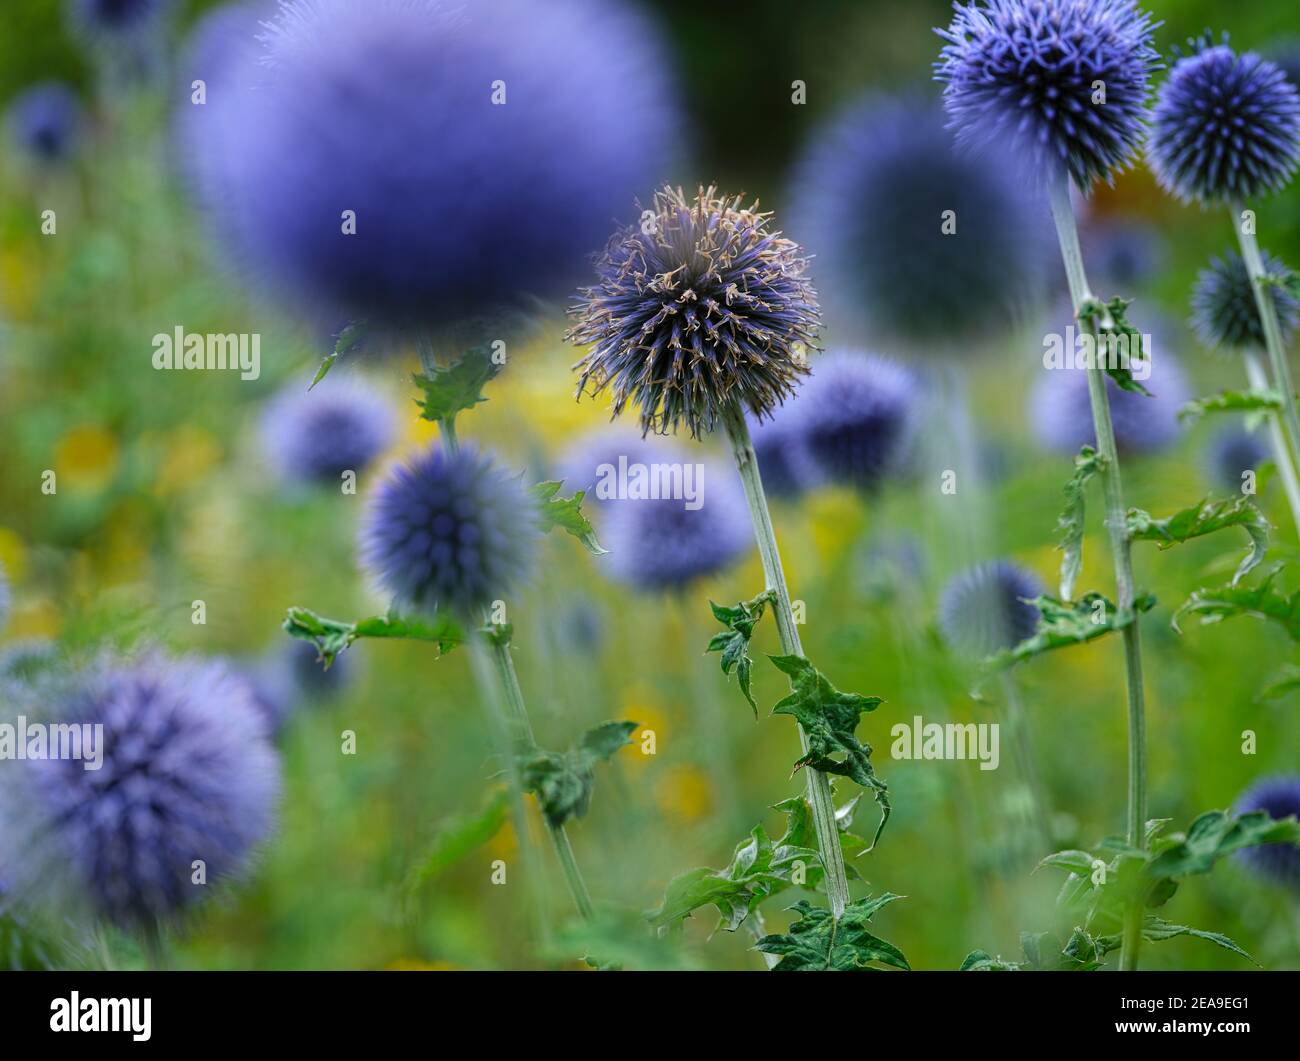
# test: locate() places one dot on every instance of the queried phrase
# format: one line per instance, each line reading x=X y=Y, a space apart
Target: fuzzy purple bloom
x=1226 y=127
x=662 y=544
x=1024 y=75
x=985 y=609
x=784 y=462
x=857 y=417
x=1234 y=451
x=594 y=458
x=463 y=206
x=313 y=436
x=291 y=677
x=188 y=773
x=43 y=121
x=1121 y=255
x=112 y=18
x=1280 y=798
x=701 y=308
x=871 y=198
x=1224 y=311
x=450 y=530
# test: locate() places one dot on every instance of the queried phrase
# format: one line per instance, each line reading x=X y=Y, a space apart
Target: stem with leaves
x=819 y=787
x=1121 y=550
x=1258 y=378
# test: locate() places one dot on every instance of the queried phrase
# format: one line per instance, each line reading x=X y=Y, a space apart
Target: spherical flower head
x=668 y=543
x=187 y=774
x=592 y=461
x=414 y=162
x=1121 y=255
x=700 y=307
x=857 y=417
x=450 y=531
x=1060 y=409
x=314 y=436
x=114 y=18
x=986 y=609
x=1224 y=311
x=1233 y=452
x=784 y=462
x=43 y=121
x=1028 y=77
x=912 y=240
x=293 y=676
x=1226 y=127
x=1280 y=798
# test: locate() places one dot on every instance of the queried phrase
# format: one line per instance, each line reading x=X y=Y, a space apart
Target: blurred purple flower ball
x=1279 y=797
x=482 y=151
x=784 y=462
x=313 y=436
x=43 y=121
x=109 y=18
x=594 y=458
x=1233 y=451
x=450 y=530
x=1226 y=127
x=984 y=609
x=1224 y=311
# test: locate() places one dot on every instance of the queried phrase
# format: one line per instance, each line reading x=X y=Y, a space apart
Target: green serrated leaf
x=1250 y=402
x=1261 y=601
x=456 y=838
x=1156 y=930
x=565 y=513
x=1282 y=684
x=1071 y=521
x=819 y=943
x=1079 y=862
x=451 y=389
x=1216 y=834
x=347 y=339
x=1119 y=344
x=1287 y=280
x=1205 y=518
x=332 y=636
x=740 y=620
x=1065 y=623
x=829 y=719
x=563 y=781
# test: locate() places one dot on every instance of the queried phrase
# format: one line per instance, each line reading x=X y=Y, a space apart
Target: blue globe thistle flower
x=857 y=417
x=1224 y=311
x=984 y=609
x=784 y=462
x=463 y=206
x=663 y=544
x=1120 y=256
x=450 y=530
x=1280 y=798
x=187 y=774
x=700 y=308
x=592 y=460
x=313 y=436
x=43 y=121
x=1234 y=451
x=1026 y=76
x=115 y=18
x=1061 y=413
x=871 y=203
x=291 y=677
x=1225 y=127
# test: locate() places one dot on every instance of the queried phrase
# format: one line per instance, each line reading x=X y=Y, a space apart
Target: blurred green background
x=163 y=500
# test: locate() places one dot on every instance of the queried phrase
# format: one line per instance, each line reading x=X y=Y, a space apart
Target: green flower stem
x=1272 y=330
x=429 y=362
x=1258 y=378
x=1121 y=551
x=819 y=786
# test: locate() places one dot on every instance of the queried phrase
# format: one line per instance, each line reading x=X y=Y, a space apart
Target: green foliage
x=740 y=620
x=1070 y=523
x=1282 y=684
x=819 y=943
x=1109 y=322
x=563 y=781
x=1205 y=518
x=332 y=636
x=451 y=389
x=829 y=719
x=1044 y=952
x=1065 y=623
x=1261 y=601
x=347 y=340
x=1251 y=402
x=617 y=939
x=1287 y=280
x=565 y=513
x=456 y=838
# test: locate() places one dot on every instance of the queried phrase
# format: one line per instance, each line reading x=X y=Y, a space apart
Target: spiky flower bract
x=1060 y=410
x=700 y=307
x=313 y=436
x=857 y=417
x=593 y=460
x=188 y=773
x=787 y=467
x=481 y=149
x=1280 y=798
x=1224 y=310
x=913 y=240
x=1226 y=127
x=985 y=609
x=450 y=531
x=1232 y=452
x=667 y=543
x=1061 y=82
x=43 y=121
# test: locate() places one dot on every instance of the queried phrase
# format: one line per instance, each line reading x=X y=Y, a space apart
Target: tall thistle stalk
x=818 y=784
x=1120 y=544
x=1283 y=454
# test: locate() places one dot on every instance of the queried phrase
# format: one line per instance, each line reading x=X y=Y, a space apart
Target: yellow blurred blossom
x=86 y=458
x=188 y=454
x=684 y=792
x=13 y=554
